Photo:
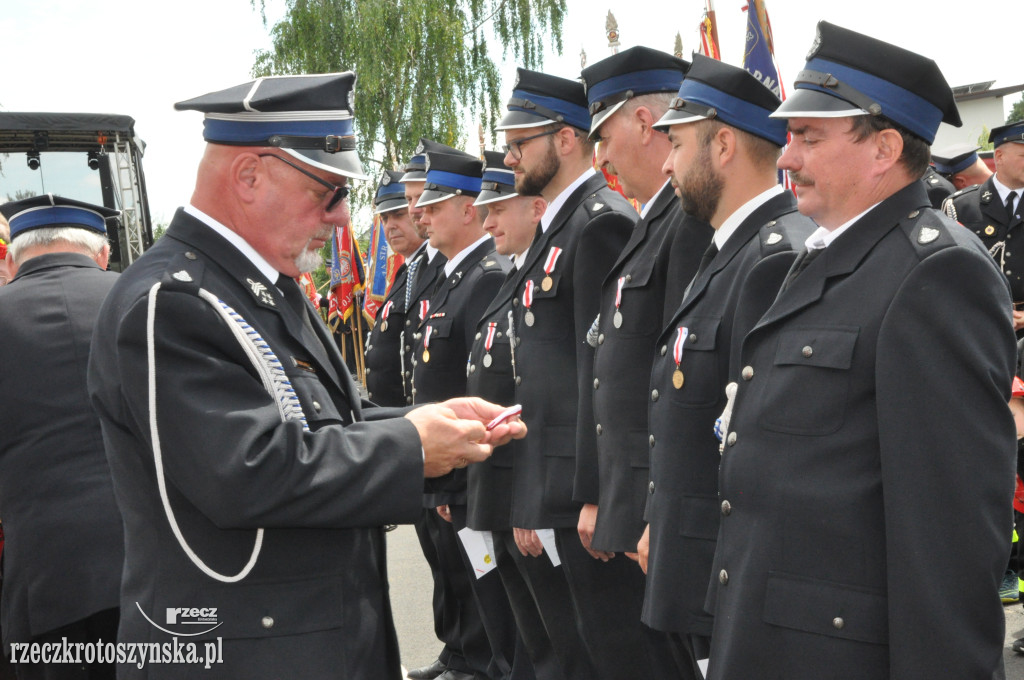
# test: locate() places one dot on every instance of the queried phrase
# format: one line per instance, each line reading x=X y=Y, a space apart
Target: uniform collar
x=264 y=267
x=733 y=221
x=549 y=215
x=450 y=266
x=654 y=199
x=823 y=238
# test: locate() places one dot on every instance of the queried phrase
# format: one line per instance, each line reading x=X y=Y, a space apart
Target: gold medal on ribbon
x=546 y=283
x=677 y=379
x=384 y=326
x=426 y=357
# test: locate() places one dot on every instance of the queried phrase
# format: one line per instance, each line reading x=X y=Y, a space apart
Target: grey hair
x=657 y=102
x=85 y=240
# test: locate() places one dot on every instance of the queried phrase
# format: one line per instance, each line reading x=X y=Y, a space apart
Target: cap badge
x=385 y=179
x=815 y=46
x=181 y=276
x=419 y=149
x=773 y=238
x=352 y=100
x=927 y=235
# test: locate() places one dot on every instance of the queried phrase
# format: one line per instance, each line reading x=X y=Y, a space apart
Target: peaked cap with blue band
x=851 y=74
x=540 y=99
x=450 y=175
x=499 y=180
x=416 y=168
x=55 y=211
x=953 y=159
x=390 y=193
x=307 y=116
x=613 y=81
x=715 y=90
x=1014 y=132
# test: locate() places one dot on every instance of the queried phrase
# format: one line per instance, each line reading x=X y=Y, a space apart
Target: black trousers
x=544 y=613
x=101 y=626
x=608 y=597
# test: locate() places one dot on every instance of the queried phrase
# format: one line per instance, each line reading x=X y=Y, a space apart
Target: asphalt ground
x=411 y=591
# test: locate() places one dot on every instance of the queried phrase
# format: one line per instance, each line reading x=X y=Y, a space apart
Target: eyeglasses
x=516 y=148
x=339 y=193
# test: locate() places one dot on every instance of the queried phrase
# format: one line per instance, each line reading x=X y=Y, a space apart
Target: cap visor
x=345 y=163
x=515 y=120
x=486 y=197
x=602 y=116
x=432 y=196
x=389 y=205
x=674 y=117
x=813 y=104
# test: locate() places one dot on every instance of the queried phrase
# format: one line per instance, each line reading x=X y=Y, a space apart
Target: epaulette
x=965 y=190
x=927 y=230
x=184 y=274
x=773 y=238
x=491 y=263
x=596 y=205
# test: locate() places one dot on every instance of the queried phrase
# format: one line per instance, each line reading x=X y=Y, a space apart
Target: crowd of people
x=739 y=416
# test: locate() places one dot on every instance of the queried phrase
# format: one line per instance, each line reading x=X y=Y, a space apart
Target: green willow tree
x=420 y=64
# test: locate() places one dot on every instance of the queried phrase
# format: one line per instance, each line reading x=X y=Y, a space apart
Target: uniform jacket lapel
x=662 y=200
x=846 y=252
x=993 y=208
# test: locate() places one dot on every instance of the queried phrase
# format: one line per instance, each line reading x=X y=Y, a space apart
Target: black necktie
x=1011 y=197
x=706 y=259
x=802 y=260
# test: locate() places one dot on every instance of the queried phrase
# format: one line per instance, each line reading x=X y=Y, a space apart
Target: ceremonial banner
x=381 y=265
x=759 y=58
x=708 y=30
x=346 y=275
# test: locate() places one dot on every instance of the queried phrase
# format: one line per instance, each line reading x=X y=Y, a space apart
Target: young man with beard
x=722 y=164
x=557 y=297
x=386 y=358
x=247 y=475
x=871 y=405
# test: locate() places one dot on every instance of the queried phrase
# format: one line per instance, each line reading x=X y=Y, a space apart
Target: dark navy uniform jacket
x=317 y=598
x=386 y=362
x=64 y=543
x=682 y=494
x=591 y=228
x=872 y=403
x=979 y=209
x=657 y=263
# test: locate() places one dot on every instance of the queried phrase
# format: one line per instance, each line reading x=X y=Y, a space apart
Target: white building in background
x=981 y=108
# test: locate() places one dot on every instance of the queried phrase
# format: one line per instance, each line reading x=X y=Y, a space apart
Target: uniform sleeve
x=945 y=361
x=226 y=449
x=600 y=244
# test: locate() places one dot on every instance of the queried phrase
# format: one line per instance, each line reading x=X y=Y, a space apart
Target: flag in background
x=381 y=265
x=346 y=275
x=305 y=282
x=759 y=58
x=708 y=30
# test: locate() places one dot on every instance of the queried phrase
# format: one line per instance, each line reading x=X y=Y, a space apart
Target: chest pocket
x=318 y=405
x=442 y=345
x=641 y=311
x=550 y=310
x=702 y=385
x=810 y=381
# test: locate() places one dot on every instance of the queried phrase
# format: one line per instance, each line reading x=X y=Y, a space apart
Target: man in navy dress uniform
x=253 y=484
x=871 y=405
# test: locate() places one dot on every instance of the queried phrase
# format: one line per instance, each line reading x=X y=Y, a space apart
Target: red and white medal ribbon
x=618 y=292
x=528 y=294
x=492 y=328
x=426 y=336
x=549 y=264
x=424 y=308
x=677 y=347
x=387 y=310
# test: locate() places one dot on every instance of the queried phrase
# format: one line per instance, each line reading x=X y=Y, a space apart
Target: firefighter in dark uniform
x=719 y=107
x=557 y=297
x=870 y=405
x=992 y=210
x=628 y=93
x=511 y=221
x=470 y=278
x=960 y=164
x=386 y=358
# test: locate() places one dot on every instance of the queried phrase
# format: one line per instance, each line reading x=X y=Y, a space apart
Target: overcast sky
x=138 y=58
